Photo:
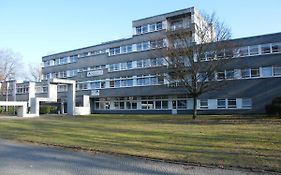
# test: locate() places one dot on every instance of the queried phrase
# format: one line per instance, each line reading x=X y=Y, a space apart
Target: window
x=139 y=46
x=140 y=81
x=231 y=103
x=123 y=83
x=139 y=64
x=117 y=83
x=73 y=58
x=114 y=51
x=255 y=72
x=123 y=66
x=95 y=85
x=246 y=103
x=102 y=84
x=276 y=71
x=129 y=65
x=245 y=73
x=254 y=50
x=146 y=63
x=164 y=104
x=182 y=104
x=202 y=76
x=221 y=104
x=228 y=53
x=177 y=24
x=82 y=86
x=220 y=75
x=145 y=45
x=266 y=71
x=152 y=27
x=153 y=62
x=243 y=51
x=131 y=105
x=265 y=49
x=149 y=28
x=144 y=29
x=156 y=44
x=230 y=74
x=111 y=83
x=126 y=49
x=210 y=56
x=204 y=104
x=138 y=30
x=123 y=49
x=158 y=104
x=122 y=105
x=84 y=54
x=237 y=73
x=159 y=61
x=220 y=54
x=134 y=105
x=128 y=105
x=115 y=67
x=146 y=81
x=129 y=48
x=276 y=47
x=159 y=26
x=129 y=82
x=153 y=80
x=147 y=105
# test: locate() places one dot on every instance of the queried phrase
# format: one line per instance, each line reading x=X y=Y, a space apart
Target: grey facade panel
x=141 y=91
x=162 y=17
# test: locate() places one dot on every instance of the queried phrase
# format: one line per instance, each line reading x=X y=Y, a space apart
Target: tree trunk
x=194 y=108
x=7 y=96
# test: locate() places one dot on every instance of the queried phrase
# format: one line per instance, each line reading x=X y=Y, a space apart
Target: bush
x=12 y=110
x=44 y=109
x=53 y=110
x=9 y=110
x=275 y=107
x=48 y=110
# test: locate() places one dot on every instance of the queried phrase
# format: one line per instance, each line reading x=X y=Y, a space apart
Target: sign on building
x=94 y=73
x=95 y=92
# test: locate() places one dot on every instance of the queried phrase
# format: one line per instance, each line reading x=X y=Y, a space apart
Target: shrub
x=44 y=109
x=53 y=110
x=48 y=110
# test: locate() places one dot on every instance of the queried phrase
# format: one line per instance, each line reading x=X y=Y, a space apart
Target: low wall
x=82 y=111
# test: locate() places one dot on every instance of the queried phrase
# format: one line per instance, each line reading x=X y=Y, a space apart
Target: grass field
x=238 y=141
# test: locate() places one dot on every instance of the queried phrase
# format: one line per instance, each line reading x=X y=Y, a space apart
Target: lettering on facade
x=95 y=92
x=94 y=73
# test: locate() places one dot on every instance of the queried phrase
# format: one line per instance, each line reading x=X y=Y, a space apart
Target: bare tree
x=194 y=55
x=9 y=68
x=35 y=72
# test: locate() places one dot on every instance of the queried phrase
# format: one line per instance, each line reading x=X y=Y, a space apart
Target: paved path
x=21 y=159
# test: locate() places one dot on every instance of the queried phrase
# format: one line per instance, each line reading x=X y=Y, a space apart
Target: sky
x=36 y=28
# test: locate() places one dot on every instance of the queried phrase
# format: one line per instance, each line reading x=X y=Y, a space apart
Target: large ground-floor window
x=168 y=103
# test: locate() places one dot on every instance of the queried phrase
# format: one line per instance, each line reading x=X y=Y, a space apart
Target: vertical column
x=31 y=93
x=86 y=101
x=62 y=107
x=35 y=106
x=14 y=93
x=52 y=91
x=71 y=98
x=22 y=110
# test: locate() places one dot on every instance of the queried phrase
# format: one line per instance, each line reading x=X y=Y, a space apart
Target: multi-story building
x=126 y=75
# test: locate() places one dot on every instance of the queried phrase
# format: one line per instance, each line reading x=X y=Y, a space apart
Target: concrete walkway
x=21 y=159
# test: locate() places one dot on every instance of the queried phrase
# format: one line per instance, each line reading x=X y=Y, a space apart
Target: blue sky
x=35 y=28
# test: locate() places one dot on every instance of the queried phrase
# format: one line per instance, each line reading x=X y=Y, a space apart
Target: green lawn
x=239 y=141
